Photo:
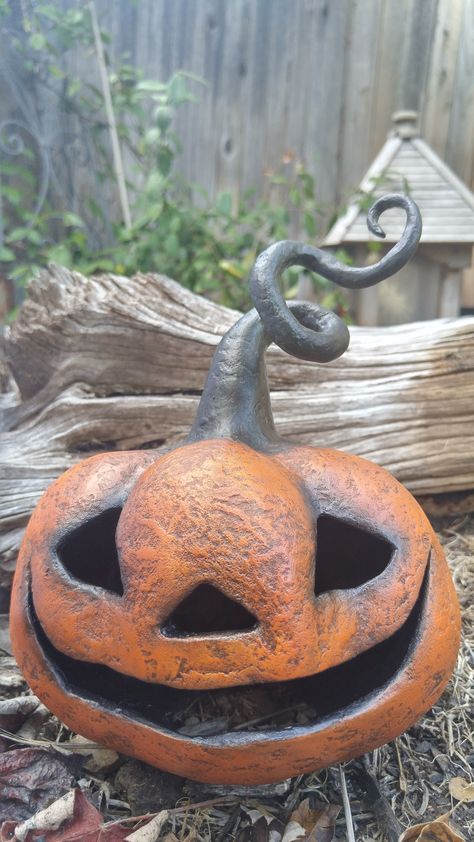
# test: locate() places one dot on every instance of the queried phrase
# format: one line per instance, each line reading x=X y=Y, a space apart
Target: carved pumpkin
x=146 y=584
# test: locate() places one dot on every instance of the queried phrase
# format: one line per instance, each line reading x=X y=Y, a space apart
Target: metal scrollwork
x=12 y=144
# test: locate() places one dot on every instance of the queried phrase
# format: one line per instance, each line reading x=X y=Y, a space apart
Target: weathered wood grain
x=113 y=362
x=319 y=79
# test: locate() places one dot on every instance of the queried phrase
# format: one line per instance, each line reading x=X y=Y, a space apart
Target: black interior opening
x=315 y=697
x=89 y=553
x=347 y=556
x=206 y=610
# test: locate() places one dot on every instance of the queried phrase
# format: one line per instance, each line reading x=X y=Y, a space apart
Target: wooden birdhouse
x=430 y=285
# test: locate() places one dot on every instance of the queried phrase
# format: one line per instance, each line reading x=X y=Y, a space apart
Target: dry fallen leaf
x=323 y=830
x=72 y=818
x=293 y=831
x=13 y=712
x=51 y=818
x=31 y=728
x=85 y=825
x=99 y=759
x=151 y=831
x=31 y=778
x=305 y=816
x=5 y=642
x=461 y=789
x=263 y=826
x=437 y=831
x=10 y=675
x=311 y=824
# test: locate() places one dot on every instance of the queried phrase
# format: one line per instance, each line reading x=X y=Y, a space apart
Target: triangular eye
x=89 y=552
x=347 y=556
x=206 y=610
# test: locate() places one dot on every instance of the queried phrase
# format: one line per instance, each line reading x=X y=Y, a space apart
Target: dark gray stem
x=283 y=327
x=235 y=403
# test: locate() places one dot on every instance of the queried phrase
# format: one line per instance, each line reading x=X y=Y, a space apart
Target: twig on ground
x=378 y=803
x=201 y=805
x=347 y=806
x=230 y=826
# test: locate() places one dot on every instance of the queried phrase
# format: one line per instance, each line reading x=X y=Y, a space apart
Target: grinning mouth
x=268 y=709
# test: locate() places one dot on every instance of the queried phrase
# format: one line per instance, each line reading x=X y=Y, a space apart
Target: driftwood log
x=113 y=362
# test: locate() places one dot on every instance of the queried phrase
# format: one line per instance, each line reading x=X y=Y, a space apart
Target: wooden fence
x=320 y=78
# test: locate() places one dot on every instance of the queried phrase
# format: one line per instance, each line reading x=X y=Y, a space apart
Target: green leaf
x=50 y=12
x=12 y=315
x=177 y=90
x=224 y=204
x=8 y=168
x=76 y=16
x=163 y=117
x=292 y=292
x=37 y=41
x=232 y=268
x=73 y=87
x=278 y=179
x=164 y=159
x=72 y=220
x=11 y=193
x=6 y=254
x=154 y=184
x=344 y=257
x=17 y=235
x=175 y=224
x=374 y=246
x=150 y=86
x=56 y=71
x=309 y=224
x=308 y=184
x=22 y=234
x=295 y=196
x=152 y=136
x=95 y=209
x=60 y=254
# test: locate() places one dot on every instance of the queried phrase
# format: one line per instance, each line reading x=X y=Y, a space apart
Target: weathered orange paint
x=219 y=512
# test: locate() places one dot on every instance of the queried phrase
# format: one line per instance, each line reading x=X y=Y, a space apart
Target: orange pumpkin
x=237 y=561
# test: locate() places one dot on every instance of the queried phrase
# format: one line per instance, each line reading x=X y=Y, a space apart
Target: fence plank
x=460 y=151
x=443 y=61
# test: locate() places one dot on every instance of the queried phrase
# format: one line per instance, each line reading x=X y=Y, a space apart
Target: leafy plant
x=208 y=246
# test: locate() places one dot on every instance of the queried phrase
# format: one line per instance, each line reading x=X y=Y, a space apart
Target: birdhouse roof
x=407 y=164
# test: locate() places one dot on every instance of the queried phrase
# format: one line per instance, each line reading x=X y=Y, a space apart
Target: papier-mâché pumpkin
x=147 y=583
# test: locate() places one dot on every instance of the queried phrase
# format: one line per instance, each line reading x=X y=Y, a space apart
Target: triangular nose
x=205 y=611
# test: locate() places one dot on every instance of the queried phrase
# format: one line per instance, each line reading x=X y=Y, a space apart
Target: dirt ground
x=408 y=781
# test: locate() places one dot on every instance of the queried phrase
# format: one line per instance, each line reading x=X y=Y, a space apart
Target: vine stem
x=109 y=110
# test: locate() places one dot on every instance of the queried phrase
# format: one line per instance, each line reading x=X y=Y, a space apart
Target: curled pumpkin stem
x=300 y=337
x=235 y=402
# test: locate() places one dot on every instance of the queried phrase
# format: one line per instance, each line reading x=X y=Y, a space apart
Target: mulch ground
x=408 y=781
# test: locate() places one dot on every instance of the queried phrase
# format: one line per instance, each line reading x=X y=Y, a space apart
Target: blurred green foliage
x=208 y=246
